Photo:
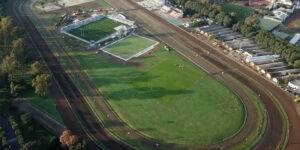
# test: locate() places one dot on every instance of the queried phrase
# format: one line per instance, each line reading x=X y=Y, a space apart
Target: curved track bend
x=279 y=129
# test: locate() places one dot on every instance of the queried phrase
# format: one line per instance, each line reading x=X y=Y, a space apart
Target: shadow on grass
x=122 y=78
x=145 y=93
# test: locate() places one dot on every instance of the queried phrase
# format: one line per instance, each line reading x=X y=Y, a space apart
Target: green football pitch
x=96 y=30
x=129 y=46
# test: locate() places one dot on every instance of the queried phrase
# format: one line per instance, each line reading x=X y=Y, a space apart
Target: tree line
x=249 y=27
x=17 y=71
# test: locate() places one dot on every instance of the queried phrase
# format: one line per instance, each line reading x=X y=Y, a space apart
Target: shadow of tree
x=145 y=93
x=122 y=78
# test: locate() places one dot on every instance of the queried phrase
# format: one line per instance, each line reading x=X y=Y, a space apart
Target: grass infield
x=167 y=97
x=129 y=46
x=96 y=30
x=199 y=106
x=45 y=104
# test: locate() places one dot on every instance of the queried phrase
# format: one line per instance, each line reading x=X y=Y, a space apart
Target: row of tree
x=207 y=10
x=249 y=27
x=14 y=63
x=17 y=74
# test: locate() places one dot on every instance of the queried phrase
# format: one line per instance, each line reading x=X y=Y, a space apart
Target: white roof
x=295 y=39
x=295 y=83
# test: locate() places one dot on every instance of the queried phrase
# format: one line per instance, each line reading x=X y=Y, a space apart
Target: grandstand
x=99 y=30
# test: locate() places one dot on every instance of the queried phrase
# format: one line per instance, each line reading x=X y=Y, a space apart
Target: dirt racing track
x=272 y=96
x=80 y=119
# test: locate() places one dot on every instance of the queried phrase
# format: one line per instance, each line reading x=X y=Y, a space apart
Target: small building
x=166 y=9
x=264 y=67
x=295 y=85
x=295 y=39
x=282 y=13
x=253 y=64
x=262 y=58
x=280 y=34
x=282 y=73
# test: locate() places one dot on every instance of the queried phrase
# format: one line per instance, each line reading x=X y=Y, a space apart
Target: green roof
x=268 y=24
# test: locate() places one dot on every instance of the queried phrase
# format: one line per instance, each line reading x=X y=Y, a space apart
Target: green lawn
x=181 y=105
x=129 y=46
x=96 y=30
x=241 y=11
x=298 y=23
x=103 y=4
x=45 y=104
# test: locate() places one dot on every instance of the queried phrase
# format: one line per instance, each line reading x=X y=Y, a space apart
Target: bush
x=2 y=132
x=297 y=63
x=26 y=119
x=18 y=132
x=20 y=139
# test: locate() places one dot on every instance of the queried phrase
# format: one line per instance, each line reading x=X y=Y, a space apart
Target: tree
x=219 y=17
x=31 y=145
x=26 y=118
x=68 y=139
x=2 y=132
x=297 y=63
x=17 y=48
x=35 y=68
x=41 y=84
x=227 y=21
x=10 y=66
x=7 y=33
x=53 y=143
x=78 y=146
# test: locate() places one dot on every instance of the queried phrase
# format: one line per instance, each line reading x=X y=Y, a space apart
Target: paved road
x=9 y=133
x=188 y=46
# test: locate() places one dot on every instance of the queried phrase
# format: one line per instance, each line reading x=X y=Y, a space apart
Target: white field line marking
x=145 y=50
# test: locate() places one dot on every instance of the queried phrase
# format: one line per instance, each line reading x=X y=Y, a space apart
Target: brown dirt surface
x=271 y=95
x=294 y=21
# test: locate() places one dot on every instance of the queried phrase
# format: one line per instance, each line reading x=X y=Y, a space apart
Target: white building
x=297 y=4
x=295 y=39
x=282 y=13
x=295 y=85
x=262 y=58
x=285 y=2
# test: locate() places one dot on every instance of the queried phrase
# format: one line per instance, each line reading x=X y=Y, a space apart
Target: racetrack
x=251 y=122
x=278 y=128
x=214 y=62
